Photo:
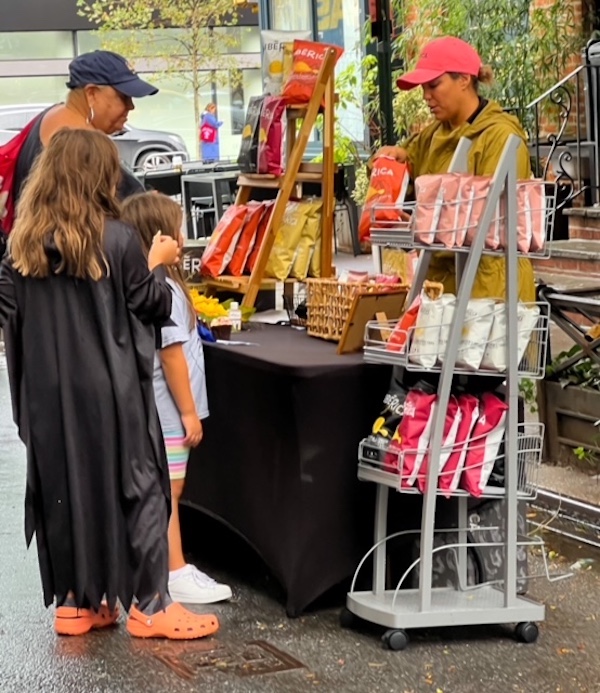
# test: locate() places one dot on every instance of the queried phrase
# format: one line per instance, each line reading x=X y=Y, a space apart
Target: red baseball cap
x=448 y=54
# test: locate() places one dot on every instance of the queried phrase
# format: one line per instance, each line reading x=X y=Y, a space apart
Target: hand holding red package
x=387 y=190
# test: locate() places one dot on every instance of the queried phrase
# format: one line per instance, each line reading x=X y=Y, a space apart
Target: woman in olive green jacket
x=449 y=71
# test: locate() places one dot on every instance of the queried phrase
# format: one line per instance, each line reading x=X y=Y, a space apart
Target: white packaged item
x=272 y=57
x=475 y=333
x=424 y=348
x=494 y=357
x=235 y=315
x=449 y=301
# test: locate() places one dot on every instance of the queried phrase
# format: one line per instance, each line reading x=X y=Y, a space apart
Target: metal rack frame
x=427 y=606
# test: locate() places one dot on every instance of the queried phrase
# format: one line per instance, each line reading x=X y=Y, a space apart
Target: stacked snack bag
x=291 y=64
x=425 y=327
x=472 y=437
x=236 y=241
x=449 y=206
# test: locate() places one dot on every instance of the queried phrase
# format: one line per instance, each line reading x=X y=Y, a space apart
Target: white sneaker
x=191 y=586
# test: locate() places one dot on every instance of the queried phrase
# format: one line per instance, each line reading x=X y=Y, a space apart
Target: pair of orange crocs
x=174 y=623
x=69 y=620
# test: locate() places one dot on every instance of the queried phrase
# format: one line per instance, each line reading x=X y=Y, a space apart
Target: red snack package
x=397 y=340
x=271 y=136
x=451 y=425
x=411 y=436
x=450 y=473
x=221 y=245
x=246 y=239
x=260 y=234
x=484 y=444
x=387 y=186
x=308 y=56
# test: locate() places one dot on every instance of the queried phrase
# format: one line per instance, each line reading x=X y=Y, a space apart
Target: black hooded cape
x=80 y=360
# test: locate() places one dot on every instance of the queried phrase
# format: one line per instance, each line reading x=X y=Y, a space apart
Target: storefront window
x=38 y=45
x=291 y=16
x=23 y=90
x=172 y=109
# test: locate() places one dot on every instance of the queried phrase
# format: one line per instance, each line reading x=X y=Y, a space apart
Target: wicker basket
x=329 y=302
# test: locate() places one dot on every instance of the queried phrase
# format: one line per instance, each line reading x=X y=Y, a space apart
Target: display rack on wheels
x=500 y=601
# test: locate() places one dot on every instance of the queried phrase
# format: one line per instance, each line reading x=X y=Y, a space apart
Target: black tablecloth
x=278 y=463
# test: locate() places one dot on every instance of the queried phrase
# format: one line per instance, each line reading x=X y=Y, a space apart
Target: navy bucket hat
x=110 y=69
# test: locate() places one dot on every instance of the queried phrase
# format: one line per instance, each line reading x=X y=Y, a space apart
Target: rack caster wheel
x=347 y=618
x=527 y=632
x=395 y=640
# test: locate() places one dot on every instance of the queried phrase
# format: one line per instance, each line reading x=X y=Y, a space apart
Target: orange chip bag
x=221 y=245
x=260 y=234
x=387 y=186
x=246 y=239
x=307 y=60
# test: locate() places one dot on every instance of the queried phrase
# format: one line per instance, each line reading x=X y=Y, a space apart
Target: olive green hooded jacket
x=431 y=151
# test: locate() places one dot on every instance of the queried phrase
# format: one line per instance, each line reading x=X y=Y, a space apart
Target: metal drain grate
x=254 y=658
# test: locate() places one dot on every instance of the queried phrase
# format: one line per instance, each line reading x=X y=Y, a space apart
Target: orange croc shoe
x=69 y=620
x=174 y=623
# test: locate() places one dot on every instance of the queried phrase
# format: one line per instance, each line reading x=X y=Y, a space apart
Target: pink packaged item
x=451 y=425
x=476 y=193
x=271 y=136
x=531 y=215
x=464 y=196
x=412 y=436
x=428 y=208
x=451 y=472
x=485 y=442
x=448 y=221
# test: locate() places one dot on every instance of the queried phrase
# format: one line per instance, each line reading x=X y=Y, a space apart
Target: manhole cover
x=254 y=658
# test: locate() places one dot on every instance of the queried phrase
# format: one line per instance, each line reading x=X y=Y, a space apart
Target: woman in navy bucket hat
x=102 y=86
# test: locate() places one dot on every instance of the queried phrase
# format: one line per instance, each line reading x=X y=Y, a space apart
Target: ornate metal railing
x=564 y=133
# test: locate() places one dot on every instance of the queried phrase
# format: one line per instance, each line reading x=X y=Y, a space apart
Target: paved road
x=259 y=649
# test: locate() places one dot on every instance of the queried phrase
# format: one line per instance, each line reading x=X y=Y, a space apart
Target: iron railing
x=563 y=128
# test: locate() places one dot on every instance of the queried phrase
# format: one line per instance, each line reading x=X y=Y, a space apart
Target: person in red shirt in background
x=209 y=135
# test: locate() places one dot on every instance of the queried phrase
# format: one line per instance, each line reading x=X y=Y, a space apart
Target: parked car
x=136 y=146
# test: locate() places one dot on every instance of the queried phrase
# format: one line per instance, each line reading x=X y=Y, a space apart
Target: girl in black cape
x=81 y=300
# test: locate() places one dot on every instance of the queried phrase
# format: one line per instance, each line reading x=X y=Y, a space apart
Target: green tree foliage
x=186 y=37
x=529 y=48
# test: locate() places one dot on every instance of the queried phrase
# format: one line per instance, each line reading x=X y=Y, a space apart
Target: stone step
x=578 y=257
x=584 y=222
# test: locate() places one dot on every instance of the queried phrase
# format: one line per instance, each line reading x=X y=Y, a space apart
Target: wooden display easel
x=290 y=182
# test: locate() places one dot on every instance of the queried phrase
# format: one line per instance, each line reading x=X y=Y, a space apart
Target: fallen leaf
x=429 y=679
x=565 y=651
x=552 y=554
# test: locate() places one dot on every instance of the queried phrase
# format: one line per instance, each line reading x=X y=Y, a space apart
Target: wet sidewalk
x=259 y=649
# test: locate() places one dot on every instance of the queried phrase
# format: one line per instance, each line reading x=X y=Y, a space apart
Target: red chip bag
x=484 y=444
x=260 y=235
x=451 y=472
x=221 y=245
x=308 y=57
x=451 y=425
x=411 y=436
x=397 y=340
x=387 y=186
x=246 y=239
x=271 y=136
